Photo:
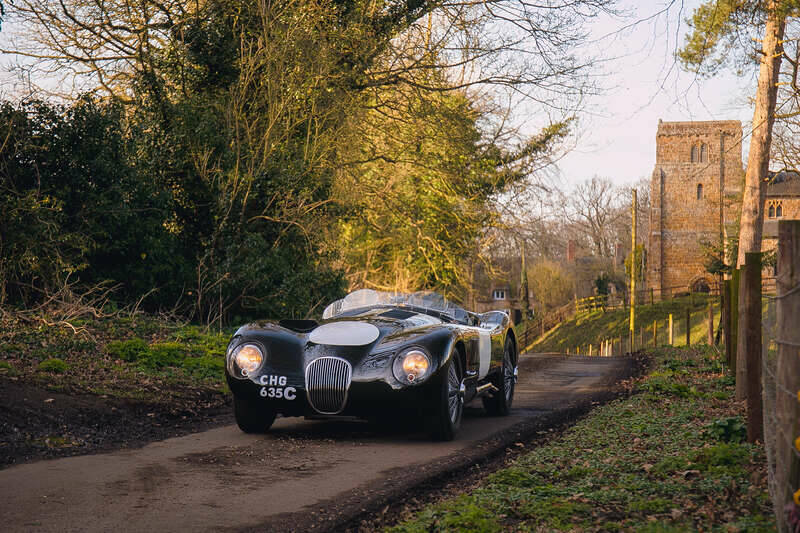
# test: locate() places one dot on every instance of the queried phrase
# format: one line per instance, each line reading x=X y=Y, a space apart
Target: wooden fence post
x=671 y=330
x=734 y=317
x=689 y=326
x=751 y=342
x=655 y=333
x=710 y=323
x=726 y=318
x=787 y=467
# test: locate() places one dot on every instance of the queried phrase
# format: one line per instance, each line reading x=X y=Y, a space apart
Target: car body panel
x=369 y=339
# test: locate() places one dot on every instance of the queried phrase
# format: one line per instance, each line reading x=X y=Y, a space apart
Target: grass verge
x=139 y=357
x=592 y=326
x=670 y=457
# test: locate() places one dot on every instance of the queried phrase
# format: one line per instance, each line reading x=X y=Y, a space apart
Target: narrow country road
x=302 y=475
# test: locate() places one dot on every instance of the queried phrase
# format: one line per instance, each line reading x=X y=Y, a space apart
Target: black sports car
x=374 y=353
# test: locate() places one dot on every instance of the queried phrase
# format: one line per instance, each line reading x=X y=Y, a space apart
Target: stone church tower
x=694 y=197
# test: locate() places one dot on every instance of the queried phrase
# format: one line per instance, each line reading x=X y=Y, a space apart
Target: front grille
x=327 y=383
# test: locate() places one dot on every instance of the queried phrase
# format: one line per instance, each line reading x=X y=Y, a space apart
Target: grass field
x=591 y=327
x=669 y=457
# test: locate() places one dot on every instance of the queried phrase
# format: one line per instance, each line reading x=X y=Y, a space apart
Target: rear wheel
x=450 y=405
x=500 y=403
x=253 y=417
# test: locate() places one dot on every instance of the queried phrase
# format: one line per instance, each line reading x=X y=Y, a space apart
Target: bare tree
x=595 y=208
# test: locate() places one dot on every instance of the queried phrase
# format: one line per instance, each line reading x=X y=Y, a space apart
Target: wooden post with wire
x=787 y=468
x=752 y=345
x=671 y=330
x=631 y=325
x=710 y=323
x=734 y=316
x=655 y=333
x=688 y=326
x=726 y=318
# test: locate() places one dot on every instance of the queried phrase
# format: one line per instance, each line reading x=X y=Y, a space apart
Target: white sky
x=643 y=83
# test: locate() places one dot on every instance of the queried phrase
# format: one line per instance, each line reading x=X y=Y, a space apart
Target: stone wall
x=692 y=160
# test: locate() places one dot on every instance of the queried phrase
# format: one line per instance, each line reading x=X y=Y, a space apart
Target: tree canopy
x=233 y=159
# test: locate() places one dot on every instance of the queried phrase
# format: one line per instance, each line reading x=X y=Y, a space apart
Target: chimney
x=619 y=258
x=570 y=251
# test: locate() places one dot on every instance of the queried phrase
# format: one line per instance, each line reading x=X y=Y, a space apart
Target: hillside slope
x=591 y=327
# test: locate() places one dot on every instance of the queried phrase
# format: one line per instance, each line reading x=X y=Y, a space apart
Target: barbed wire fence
x=781 y=381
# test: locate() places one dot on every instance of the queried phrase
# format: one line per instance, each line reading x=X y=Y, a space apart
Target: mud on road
x=303 y=475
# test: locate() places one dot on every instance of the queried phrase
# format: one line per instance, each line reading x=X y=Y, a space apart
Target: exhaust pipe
x=487 y=386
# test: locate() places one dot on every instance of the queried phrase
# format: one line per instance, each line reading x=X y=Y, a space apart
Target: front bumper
x=364 y=399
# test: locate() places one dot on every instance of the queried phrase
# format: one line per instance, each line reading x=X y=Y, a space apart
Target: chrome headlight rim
x=401 y=375
x=234 y=368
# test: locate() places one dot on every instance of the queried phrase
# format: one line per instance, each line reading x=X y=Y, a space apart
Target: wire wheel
x=509 y=373
x=455 y=395
x=446 y=415
x=505 y=380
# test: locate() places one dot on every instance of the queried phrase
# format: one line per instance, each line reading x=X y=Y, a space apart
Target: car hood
x=370 y=328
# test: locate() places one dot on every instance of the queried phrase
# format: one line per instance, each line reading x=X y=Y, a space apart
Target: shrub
x=54 y=366
x=163 y=354
x=206 y=366
x=129 y=350
x=731 y=429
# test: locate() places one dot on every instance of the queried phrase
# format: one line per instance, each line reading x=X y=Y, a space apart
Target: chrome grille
x=327 y=383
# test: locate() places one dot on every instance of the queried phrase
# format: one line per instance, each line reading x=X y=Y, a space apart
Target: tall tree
x=713 y=21
x=719 y=28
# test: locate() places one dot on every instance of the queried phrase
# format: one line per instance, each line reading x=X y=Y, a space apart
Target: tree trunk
x=755 y=185
x=763 y=118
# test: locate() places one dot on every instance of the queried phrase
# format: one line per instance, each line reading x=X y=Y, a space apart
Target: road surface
x=302 y=474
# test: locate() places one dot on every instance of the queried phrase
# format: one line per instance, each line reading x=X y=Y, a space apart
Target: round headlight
x=248 y=357
x=411 y=366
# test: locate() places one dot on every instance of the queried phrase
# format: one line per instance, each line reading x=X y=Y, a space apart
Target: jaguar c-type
x=373 y=355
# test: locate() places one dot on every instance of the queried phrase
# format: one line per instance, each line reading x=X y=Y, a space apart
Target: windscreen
x=365 y=298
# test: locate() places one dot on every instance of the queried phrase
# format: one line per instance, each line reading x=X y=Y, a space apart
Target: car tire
x=253 y=417
x=500 y=403
x=450 y=402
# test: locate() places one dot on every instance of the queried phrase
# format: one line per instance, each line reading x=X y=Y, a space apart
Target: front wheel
x=253 y=417
x=500 y=403
x=450 y=405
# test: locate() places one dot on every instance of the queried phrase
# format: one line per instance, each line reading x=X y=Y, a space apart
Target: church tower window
x=699 y=191
x=694 y=155
x=779 y=211
x=704 y=153
x=771 y=213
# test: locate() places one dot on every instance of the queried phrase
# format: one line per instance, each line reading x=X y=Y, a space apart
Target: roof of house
x=784 y=183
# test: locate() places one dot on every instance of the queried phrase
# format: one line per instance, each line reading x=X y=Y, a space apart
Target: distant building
x=695 y=196
x=783 y=203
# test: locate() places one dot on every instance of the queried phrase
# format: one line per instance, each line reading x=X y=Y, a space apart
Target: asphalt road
x=293 y=478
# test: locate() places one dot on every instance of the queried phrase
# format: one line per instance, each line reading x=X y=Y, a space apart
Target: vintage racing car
x=372 y=354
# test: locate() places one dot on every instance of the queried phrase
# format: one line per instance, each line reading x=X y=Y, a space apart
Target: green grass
x=668 y=458
x=593 y=326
